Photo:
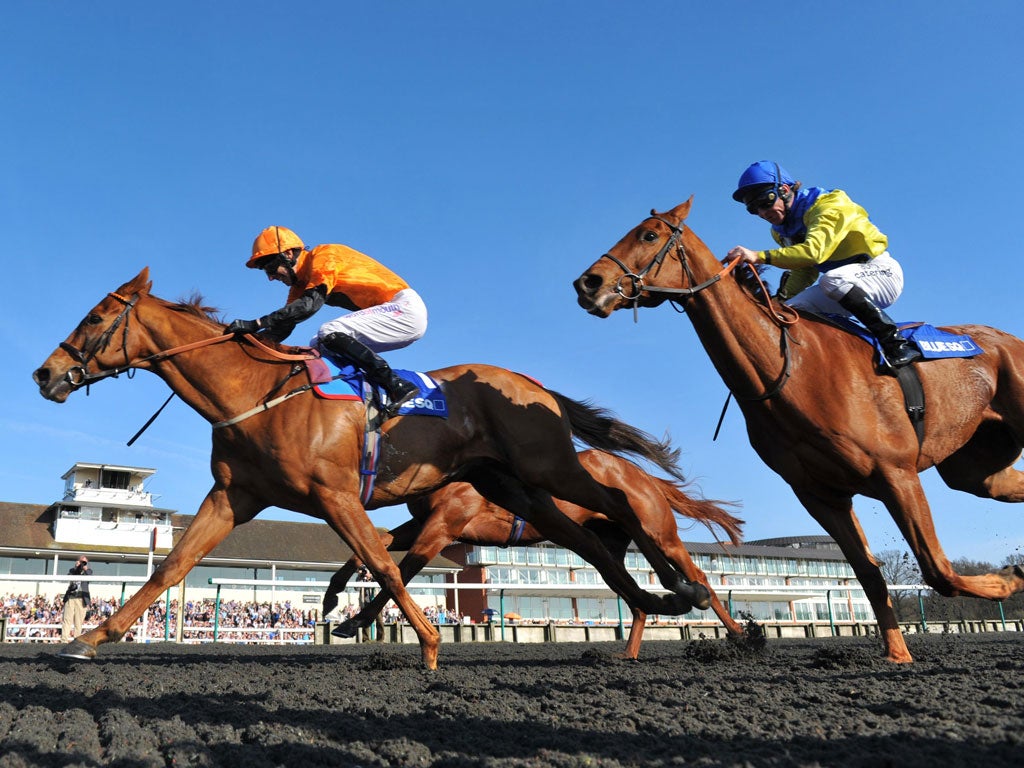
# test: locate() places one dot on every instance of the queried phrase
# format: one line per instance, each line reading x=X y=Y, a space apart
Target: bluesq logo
x=945 y=346
x=424 y=403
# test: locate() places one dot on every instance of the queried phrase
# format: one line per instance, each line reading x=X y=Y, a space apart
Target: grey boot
x=374 y=366
x=898 y=351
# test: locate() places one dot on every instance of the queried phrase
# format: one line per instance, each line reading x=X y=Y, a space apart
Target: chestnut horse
x=458 y=512
x=506 y=434
x=819 y=414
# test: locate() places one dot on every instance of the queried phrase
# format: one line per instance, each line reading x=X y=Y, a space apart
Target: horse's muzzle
x=53 y=388
x=589 y=294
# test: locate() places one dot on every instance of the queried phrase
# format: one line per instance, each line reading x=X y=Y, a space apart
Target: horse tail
x=702 y=510
x=599 y=428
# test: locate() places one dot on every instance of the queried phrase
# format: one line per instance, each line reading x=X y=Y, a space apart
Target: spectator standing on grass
x=76 y=601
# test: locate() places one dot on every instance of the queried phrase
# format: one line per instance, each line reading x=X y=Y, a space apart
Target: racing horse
x=819 y=414
x=458 y=512
x=507 y=435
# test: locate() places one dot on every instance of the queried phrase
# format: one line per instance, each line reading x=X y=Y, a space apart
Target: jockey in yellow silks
x=838 y=259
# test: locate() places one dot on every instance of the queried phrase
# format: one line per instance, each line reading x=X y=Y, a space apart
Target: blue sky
x=489 y=152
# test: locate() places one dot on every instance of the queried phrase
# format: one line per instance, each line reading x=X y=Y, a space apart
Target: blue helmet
x=763 y=173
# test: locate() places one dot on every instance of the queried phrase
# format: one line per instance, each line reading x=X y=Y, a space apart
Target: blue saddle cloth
x=345 y=382
x=933 y=342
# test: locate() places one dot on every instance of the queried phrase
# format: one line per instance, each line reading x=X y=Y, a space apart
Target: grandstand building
x=107 y=513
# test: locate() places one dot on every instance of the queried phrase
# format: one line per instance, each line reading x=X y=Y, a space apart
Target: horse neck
x=741 y=340
x=218 y=381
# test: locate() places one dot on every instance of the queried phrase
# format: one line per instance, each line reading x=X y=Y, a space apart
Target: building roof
x=30 y=527
x=801 y=547
x=145 y=471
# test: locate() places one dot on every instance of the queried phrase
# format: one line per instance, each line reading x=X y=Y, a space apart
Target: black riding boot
x=376 y=369
x=898 y=351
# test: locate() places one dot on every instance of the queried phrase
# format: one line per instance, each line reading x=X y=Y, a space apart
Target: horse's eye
x=650 y=237
x=94 y=319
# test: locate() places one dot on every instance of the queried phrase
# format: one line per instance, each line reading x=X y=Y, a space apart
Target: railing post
x=920 y=608
x=831 y=621
x=501 y=607
x=167 y=615
x=216 y=615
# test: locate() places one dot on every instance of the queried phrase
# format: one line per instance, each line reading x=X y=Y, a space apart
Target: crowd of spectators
x=38 y=618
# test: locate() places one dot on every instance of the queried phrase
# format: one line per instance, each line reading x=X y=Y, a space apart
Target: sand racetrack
x=796 y=702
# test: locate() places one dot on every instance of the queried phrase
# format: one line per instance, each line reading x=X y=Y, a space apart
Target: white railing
x=149 y=629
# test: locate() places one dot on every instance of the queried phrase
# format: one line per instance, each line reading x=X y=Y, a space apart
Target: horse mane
x=749 y=282
x=193 y=305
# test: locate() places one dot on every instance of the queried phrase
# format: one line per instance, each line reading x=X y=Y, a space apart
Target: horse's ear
x=138 y=284
x=681 y=211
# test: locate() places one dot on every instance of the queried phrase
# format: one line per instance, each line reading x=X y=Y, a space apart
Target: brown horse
x=508 y=436
x=458 y=512
x=819 y=414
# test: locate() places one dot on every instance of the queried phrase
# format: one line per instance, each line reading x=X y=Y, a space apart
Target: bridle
x=636 y=279
x=79 y=376
x=637 y=286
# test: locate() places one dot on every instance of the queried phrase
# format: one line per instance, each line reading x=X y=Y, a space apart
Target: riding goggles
x=764 y=200
x=270 y=263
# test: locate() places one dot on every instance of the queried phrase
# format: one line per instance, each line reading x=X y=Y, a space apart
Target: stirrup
x=901 y=355
x=407 y=393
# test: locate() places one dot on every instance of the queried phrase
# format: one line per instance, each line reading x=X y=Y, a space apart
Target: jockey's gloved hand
x=242 y=327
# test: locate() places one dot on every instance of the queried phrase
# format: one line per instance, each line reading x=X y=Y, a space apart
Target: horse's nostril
x=40 y=376
x=589 y=284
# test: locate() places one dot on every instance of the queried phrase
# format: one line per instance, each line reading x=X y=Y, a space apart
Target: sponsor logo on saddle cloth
x=334 y=382
x=933 y=342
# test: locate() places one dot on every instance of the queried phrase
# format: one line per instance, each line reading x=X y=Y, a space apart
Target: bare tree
x=900 y=568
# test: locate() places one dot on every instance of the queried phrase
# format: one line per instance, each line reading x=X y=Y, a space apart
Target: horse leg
x=536 y=506
x=983 y=466
x=656 y=547
x=221 y=511
x=348 y=518
x=835 y=514
x=429 y=537
x=908 y=506
x=616 y=541
x=342 y=576
x=337 y=585
x=676 y=552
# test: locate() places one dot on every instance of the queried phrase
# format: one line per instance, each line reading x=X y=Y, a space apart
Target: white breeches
x=392 y=325
x=881 y=279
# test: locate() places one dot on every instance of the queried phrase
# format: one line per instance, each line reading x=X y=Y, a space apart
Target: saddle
x=332 y=381
x=933 y=343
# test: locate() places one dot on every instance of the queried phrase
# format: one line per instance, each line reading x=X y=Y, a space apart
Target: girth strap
x=913 y=397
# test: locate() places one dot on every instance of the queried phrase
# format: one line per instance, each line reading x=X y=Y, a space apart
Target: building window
x=112 y=478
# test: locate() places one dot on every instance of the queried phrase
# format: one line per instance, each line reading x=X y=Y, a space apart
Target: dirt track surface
x=825 y=702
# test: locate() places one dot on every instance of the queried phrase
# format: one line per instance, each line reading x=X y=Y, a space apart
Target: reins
x=79 y=376
x=637 y=286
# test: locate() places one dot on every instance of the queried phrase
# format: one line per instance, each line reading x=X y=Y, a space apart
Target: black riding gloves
x=242 y=327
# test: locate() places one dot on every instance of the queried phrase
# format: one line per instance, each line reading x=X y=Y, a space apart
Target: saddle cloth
x=933 y=342
x=345 y=382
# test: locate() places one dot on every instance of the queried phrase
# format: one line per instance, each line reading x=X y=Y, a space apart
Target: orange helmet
x=273 y=240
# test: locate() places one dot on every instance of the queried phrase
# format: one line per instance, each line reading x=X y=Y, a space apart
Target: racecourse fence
x=161 y=627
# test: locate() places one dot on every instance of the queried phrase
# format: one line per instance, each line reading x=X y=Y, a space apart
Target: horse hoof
x=700 y=596
x=346 y=629
x=78 y=650
x=678 y=604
